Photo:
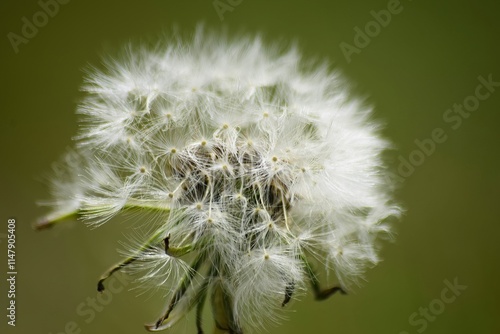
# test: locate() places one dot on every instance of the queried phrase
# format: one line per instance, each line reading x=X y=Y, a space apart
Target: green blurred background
x=425 y=60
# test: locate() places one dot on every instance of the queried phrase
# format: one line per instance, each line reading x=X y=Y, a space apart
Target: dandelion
x=263 y=175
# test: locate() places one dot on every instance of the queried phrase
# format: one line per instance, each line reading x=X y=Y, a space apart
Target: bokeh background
x=425 y=60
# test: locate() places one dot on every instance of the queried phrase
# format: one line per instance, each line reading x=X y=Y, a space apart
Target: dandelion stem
x=199 y=307
x=201 y=301
x=222 y=307
x=222 y=302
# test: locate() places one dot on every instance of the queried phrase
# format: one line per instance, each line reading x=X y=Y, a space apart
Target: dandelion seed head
x=252 y=158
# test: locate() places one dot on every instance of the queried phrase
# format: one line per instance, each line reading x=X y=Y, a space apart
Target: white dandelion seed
x=263 y=175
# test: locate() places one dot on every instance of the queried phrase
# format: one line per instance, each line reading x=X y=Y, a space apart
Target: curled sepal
x=176 y=251
x=319 y=293
x=125 y=262
x=289 y=289
x=173 y=317
x=183 y=307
